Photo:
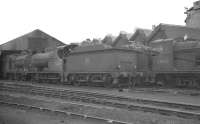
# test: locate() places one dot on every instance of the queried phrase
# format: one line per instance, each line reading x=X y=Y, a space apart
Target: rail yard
x=151 y=76
x=26 y=94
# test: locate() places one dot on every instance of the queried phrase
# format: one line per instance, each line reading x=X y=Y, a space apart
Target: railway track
x=159 y=107
x=59 y=112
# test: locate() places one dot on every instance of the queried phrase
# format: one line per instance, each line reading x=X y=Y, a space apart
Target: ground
x=16 y=116
x=137 y=117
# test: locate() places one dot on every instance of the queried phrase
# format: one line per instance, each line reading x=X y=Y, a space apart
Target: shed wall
x=164 y=60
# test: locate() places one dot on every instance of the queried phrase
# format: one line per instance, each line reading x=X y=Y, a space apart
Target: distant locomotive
x=99 y=65
x=178 y=64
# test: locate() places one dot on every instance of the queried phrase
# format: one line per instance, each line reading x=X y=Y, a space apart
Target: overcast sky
x=76 y=20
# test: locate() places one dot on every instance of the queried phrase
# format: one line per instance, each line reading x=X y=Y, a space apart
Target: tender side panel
x=103 y=61
x=127 y=61
x=109 y=67
x=91 y=62
x=142 y=63
x=185 y=61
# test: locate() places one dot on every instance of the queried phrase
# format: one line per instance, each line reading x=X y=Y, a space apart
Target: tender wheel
x=76 y=83
x=108 y=82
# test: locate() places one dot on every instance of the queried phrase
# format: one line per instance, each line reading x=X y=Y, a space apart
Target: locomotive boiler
x=45 y=67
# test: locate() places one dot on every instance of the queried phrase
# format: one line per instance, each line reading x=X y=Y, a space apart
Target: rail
x=159 y=107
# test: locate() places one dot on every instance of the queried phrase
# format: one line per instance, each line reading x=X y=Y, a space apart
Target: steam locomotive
x=96 y=65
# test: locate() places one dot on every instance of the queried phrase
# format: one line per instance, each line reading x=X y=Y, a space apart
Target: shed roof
x=167 y=31
x=20 y=43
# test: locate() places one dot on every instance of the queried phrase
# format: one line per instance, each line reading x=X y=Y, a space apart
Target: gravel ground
x=16 y=116
x=135 y=117
x=186 y=96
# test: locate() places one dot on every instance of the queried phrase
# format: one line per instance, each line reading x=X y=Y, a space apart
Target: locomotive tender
x=101 y=64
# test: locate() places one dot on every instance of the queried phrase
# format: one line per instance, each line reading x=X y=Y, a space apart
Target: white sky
x=76 y=20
